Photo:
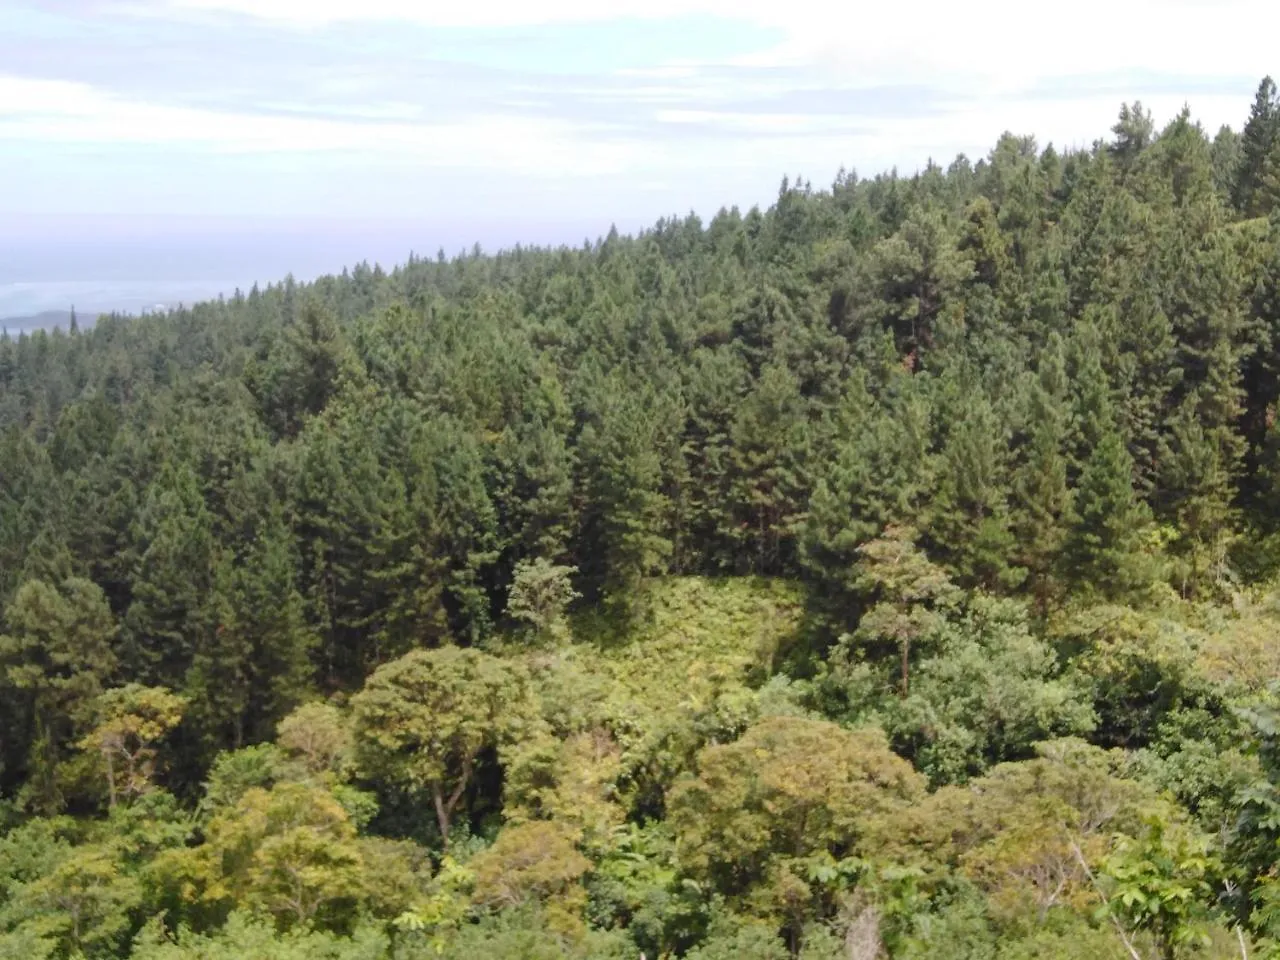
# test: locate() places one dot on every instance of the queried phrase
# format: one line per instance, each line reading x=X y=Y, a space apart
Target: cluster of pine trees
x=886 y=573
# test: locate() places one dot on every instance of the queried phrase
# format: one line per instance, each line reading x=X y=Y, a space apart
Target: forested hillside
x=894 y=572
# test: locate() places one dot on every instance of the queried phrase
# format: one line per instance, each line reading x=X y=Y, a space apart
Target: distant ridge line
x=47 y=320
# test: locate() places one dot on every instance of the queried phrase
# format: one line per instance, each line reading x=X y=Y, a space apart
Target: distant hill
x=45 y=320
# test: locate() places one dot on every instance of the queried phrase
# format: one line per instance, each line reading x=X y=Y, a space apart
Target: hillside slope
x=891 y=572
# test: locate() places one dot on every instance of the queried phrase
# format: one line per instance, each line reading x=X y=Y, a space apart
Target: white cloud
x=1006 y=42
x=984 y=68
x=52 y=111
x=1000 y=64
x=747 y=124
x=702 y=140
x=479 y=13
x=986 y=58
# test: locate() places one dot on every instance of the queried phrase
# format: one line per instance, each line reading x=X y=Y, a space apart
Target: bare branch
x=1124 y=937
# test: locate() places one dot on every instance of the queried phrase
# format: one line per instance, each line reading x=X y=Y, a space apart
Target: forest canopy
x=892 y=572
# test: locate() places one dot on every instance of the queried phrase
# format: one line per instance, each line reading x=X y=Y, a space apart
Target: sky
x=222 y=142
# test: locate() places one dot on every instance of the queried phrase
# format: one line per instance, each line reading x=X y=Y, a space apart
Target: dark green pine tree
x=255 y=665
x=715 y=383
x=85 y=430
x=357 y=537
x=969 y=517
x=49 y=557
x=1041 y=493
x=1261 y=376
x=1183 y=159
x=768 y=487
x=757 y=320
x=1142 y=354
x=302 y=370
x=1259 y=145
x=986 y=246
x=530 y=472
x=1134 y=132
x=1092 y=402
x=409 y=561
x=10 y=400
x=1226 y=162
x=172 y=579
x=910 y=280
x=105 y=500
x=880 y=473
x=1199 y=478
x=1204 y=447
x=30 y=502
x=57 y=653
x=463 y=517
x=543 y=489
x=1268 y=200
x=1265 y=484
x=626 y=515
x=1103 y=550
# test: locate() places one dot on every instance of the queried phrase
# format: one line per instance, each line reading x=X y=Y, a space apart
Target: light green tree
x=773 y=819
x=541 y=591
x=56 y=657
x=421 y=722
x=133 y=720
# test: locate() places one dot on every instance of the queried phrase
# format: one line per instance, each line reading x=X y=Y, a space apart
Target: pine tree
x=30 y=500
x=172 y=579
x=1183 y=159
x=1093 y=406
x=1199 y=480
x=768 y=488
x=969 y=516
x=716 y=382
x=1258 y=146
x=1042 y=496
x=1103 y=549
x=466 y=520
x=57 y=654
x=302 y=373
x=254 y=666
x=1134 y=132
x=880 y=474
x=1261 y=374
x=626 y=515
x=906 y=596
x=362 y=547
x=911 y=279
x=1226 y=161
x=540 y=593
x=536 y=499
x=1203 y=447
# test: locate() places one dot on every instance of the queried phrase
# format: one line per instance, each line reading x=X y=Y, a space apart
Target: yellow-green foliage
x=741 y=621
x=534 y=863
x=294 y=853
x=628 y=703
x=693 y=653
x=1242 y=651
x=763 y=815
x=1024 y=832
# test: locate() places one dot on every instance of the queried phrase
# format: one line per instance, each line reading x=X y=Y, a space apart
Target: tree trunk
x=442 y=815
x=445 y=808
x=906 y=666
x=111 y=780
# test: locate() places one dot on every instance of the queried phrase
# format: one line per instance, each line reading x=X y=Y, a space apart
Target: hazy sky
x=390 y=123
